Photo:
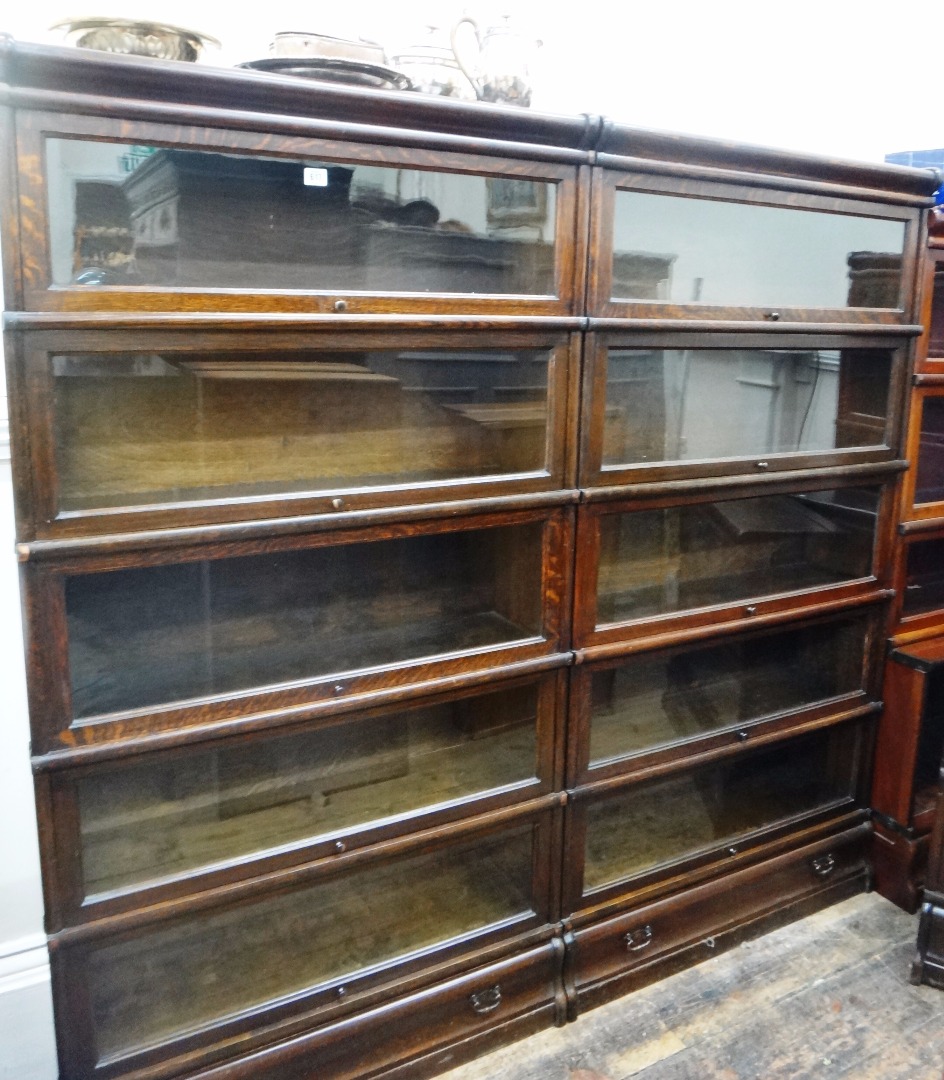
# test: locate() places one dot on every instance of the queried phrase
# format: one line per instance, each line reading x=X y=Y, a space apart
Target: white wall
x=841 y=78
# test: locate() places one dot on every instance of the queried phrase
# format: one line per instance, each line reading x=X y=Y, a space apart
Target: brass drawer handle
x=636 y=940
x=486 y=1001
x=824 y=865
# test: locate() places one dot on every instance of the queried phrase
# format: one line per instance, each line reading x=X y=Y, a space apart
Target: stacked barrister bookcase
x=455 y=554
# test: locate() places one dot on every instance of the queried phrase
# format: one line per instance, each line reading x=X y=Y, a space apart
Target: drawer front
x=632 y=942
x=468 y=1007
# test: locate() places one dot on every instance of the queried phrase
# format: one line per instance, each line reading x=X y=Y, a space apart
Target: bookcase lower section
x=474 y=1008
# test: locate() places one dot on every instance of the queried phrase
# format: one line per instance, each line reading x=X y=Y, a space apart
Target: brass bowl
x=135 y=37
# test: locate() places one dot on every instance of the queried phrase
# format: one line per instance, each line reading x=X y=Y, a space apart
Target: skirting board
x=27 y=1038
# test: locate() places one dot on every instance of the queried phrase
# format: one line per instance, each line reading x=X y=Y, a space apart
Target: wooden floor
x=826 y=997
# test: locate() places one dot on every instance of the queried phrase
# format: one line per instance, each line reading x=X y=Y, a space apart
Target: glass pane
x=658 y=561
x=698 y=404
x=680 y=815
x=684 y=250
x=125 y=214
x=924 y=577
x=147 y=428
x=929 y=478
x=144 y=822
x=176 y=978
x=660 y=698
x=155 y=635
x=936 y=329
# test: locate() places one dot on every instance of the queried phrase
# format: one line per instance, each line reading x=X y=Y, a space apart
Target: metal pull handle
x=486 y=1001
x=824 y=865
x=636 y=940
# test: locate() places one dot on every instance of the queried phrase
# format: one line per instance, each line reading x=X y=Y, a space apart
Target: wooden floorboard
x=826 y=997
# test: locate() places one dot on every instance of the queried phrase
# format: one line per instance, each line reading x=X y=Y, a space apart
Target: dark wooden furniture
x=909 y=740
x=928 y=966
x=455 y=555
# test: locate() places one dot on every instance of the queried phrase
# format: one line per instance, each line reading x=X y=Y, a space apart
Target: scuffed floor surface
x=825 y=997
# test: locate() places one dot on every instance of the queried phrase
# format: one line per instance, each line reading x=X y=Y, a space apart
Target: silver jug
x=502 y=69
x=431 y=66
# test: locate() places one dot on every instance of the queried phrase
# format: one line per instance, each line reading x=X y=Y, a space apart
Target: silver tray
x=333 y=70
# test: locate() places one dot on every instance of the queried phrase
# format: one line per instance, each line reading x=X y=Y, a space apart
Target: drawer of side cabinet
x=628 y=943
x=514 y=997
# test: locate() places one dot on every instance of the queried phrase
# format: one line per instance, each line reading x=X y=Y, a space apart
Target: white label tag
x=316 y=177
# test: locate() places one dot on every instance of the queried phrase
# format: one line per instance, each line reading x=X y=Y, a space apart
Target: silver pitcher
x=502 y=69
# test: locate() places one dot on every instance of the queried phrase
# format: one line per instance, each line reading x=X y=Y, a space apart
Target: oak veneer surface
x=216 y=932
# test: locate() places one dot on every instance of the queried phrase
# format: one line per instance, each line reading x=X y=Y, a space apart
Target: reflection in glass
x=177 y=977
x=146 y=821
x=936 y=327
x=150 y=636
x=123 y=214
x=684 y=250
x=701 y=404
x=147 y=428
x=929 y=478
x=659 y=698
x=924 y=577
x=677 y=816
x=658 y=561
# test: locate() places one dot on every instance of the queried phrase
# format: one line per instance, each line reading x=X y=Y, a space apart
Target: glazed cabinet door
x=182 y=984
x=123 y=430
x=667 y=247
x=654 y=831
x=661 y=566
x=647 y=709
x=153 y=217
x=132 y=830
x=144 y=642
x=676 y=406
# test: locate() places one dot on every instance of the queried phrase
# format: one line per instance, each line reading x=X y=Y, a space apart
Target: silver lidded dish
x=135 y=37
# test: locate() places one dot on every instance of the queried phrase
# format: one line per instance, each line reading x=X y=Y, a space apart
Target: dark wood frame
x=39 y=295
x=664 y=629
x=48 y=680
x=593 y=473
x=913 y=627
x=927 y=386
x=418 y=1016
x=616 y=174
x=621 y=952
x=711 y=860
x=31 y=383
x=258 y=1025
x=756 y=731
x=56 y=792
x=931 y=342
